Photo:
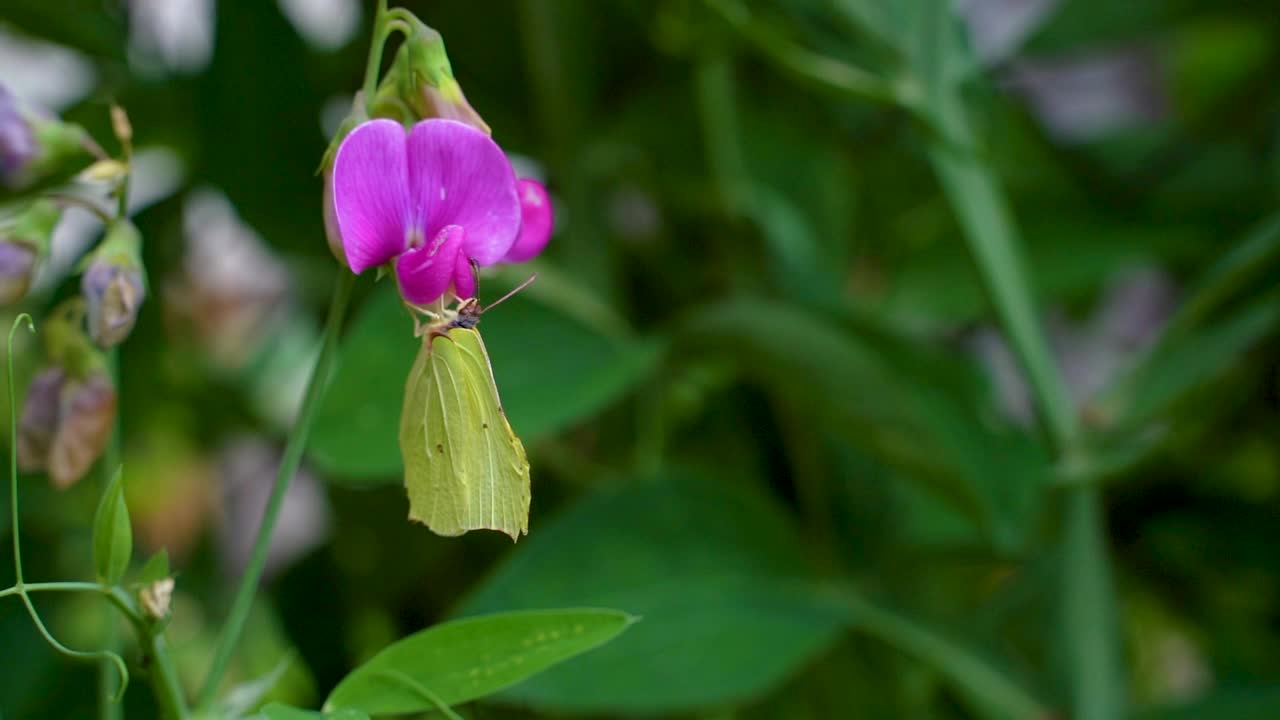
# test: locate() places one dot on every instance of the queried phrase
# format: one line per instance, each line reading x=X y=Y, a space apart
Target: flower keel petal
x=425 y=273
x=464 y=278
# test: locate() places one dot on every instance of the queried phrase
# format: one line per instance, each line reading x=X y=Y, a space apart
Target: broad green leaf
x=278 y=711
x=729 y=605
x=464 y=467
x=552 y=369
x=461 y=660
x=112 y=533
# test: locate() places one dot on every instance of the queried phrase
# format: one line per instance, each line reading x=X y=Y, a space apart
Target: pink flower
x=432 y=201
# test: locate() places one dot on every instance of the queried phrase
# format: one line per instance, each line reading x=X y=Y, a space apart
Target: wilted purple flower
x=434 y=200
x=39 y=421
x=84 y=426
x=113 y=285
x=65 y=424
x=17 y=142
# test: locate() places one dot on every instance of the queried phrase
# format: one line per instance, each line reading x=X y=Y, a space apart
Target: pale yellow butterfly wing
x=464 y=468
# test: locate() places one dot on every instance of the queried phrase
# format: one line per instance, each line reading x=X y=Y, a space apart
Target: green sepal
x=357 y=115
x=66 y=342
x=33 y=226
x=156 y=568
x=122 y=245
x=422 y=79
x=64 y=148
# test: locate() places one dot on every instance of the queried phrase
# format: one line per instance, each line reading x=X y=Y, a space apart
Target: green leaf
x=278 y=711
x=552 y=369
x=112 y=533
x=728 y=602
x=462 y=660
x=1187 y=361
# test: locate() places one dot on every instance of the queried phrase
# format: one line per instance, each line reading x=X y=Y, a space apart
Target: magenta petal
x=459 y=176
x=464 y=278
x=424 y=273
x=536 y=221
x=371 y=193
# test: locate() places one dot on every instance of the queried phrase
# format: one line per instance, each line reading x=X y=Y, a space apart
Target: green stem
x=55 y=587
x=1089 y=620
x=820 y=70
x=373 y=65
x=20 y=588
x=713 y=76
x=108 y=710
x=164 y=678
x=288 y=467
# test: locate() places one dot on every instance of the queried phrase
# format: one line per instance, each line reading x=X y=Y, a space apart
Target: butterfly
x=464 y=467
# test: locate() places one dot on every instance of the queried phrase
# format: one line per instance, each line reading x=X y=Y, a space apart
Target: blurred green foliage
x=749 y=375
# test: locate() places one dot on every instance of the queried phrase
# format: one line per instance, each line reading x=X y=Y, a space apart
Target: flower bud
x=423 y=79
x=156 y=598
x=23 y=242
x=113 y=285
x=17 y=141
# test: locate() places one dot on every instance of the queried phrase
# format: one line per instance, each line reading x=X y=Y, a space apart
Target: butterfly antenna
x=514 y=290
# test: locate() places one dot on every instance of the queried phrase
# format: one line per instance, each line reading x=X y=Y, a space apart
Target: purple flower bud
x=39 y=421
x=113 y=286
x=17 y=141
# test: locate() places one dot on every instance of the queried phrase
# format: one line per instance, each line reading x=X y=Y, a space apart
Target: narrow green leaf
x=241 y=698
x=462 y=660
x=112 y=533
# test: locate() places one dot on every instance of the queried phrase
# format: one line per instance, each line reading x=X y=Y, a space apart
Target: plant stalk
x=164 y=678
x=243 y=601
x=108 y=710
x=1090 y=641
